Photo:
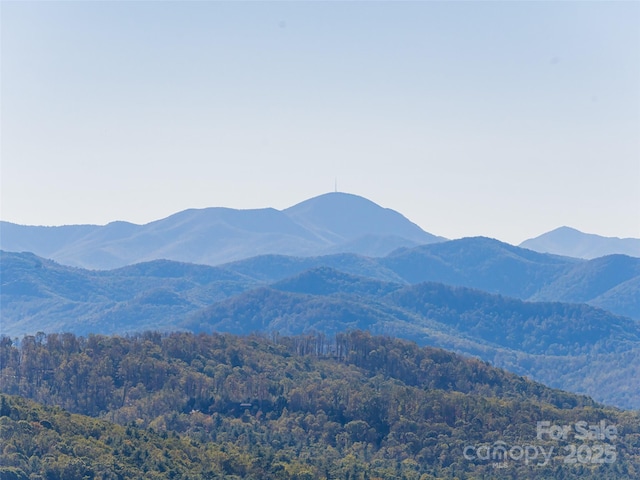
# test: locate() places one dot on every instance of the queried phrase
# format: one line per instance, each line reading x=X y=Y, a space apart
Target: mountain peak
x=573 y=243
x=350 y=216
x=335 y=199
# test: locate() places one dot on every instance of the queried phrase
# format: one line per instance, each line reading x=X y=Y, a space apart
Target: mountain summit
x=570 y=242
x=329 y=223
x=350 y=217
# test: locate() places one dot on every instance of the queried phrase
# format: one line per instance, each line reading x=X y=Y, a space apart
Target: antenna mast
x=336 y=185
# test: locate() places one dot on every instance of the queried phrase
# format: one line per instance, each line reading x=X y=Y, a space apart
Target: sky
x=504 y=119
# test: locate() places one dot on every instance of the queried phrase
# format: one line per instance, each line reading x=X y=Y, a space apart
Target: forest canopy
x=212 y=406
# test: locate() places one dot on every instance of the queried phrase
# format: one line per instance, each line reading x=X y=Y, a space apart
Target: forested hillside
x=49 y=443
x=572 y=346
x=353 y=406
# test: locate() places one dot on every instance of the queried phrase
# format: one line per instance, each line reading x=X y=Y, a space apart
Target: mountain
x=272 y=268
x=353 y=406
x=330 y=223
x=574 y=243
x=554 y=343
x=395 y=295
x=37 y=294
x=483 y=263
x=623 y=299
x=478 y=262
x=355 y=224
x=610 y=282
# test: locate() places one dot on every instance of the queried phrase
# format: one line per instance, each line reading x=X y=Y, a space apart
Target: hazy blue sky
x=504 y=119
